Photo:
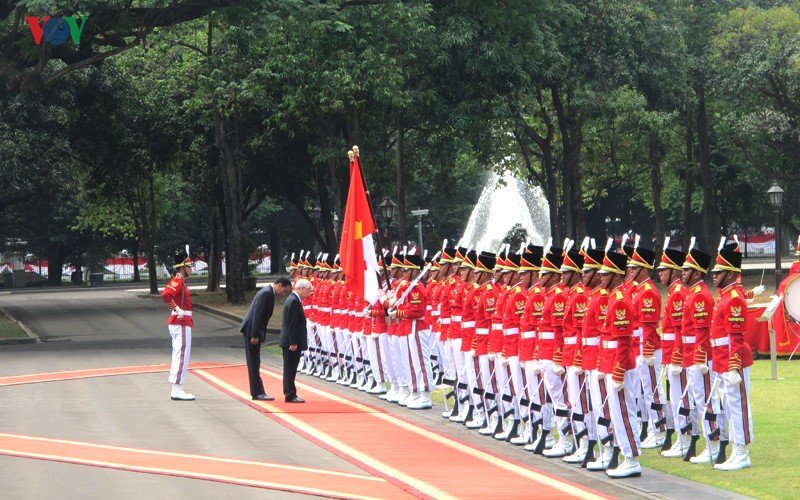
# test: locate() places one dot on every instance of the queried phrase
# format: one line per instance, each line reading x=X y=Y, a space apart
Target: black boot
x=589 y=454
x=470 y=410
x=721 y=455
x=614 y=463
x=668 y=440
x=643 y=433
x=514 y=430
x=539 y=450
x=692 y=451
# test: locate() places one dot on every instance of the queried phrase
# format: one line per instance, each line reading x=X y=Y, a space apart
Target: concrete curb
x=31 y=338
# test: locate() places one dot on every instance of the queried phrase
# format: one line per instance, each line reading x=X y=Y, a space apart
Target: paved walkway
x=84 y=432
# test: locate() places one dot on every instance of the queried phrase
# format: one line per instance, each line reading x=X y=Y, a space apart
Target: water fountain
x=505 y=202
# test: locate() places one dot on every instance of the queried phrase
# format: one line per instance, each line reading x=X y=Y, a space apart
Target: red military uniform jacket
x=591 y=332
x=496 y=333
x=728 y=349
x=411 y=312
x=619 y=332
x=529 y=321
x=647 y=305
x=471 y=300
x=573 y=325
x=550 y=340
x=444 y=307
x=483 y=318
x=176 y=294
x=697 y=312
x=457 y=292
x=672 y=324
x=515 y=306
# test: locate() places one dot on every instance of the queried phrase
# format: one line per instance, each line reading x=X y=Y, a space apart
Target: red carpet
x=95 y=372
x=421 y=461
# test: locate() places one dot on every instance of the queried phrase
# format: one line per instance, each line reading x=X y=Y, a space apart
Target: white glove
x=367 y=311
x=650 y=360
x=618 y=386
x=392 y=314
x=503 y=360
x=675 y=369
x=732 y=377
x=392 y=301
x=471 y=353
x=601 y=376
x=759 y=290
x=537 y=368
x=576 y=370
x=179 y=312
x=702 y=367
x=390 y=294
x=558 y=369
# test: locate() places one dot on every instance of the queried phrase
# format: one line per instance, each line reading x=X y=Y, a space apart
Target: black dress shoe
x=263 y=397
x=295 y=400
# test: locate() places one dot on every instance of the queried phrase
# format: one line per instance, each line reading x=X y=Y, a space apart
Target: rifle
x=414 y=283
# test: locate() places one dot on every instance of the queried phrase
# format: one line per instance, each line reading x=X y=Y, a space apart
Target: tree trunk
x=326 y=210
x=276 y=247
x=214 y=260
x=149 y=226
x=55 y=264
x=710 y=236
x=231 y=176
x=135 y=258
x=687 y=180
x=401 y=187
x=656 y=156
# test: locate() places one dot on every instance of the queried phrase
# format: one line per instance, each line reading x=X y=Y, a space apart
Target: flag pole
x=353 y=154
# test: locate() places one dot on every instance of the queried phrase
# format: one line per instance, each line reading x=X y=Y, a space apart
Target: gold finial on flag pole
x=355 y=150
x=351 y=154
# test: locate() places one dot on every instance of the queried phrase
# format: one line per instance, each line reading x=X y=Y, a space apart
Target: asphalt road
x=113 y=327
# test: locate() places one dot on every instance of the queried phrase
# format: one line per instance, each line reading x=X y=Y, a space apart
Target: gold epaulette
x=619 y=295
x=698 y=289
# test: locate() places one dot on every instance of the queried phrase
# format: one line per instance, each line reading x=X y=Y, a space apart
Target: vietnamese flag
x=356 y=250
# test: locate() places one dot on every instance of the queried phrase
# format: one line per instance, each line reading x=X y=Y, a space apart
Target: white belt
x=610 y=344
x=456 y=318
x=668 y=336
x=435 y=313
x=689 y=339
x=337 y=311
x=445 y=321
x=325 y=309
x=547 y=335
x=638 y=332
x=720 y=342
x=496 y=326
x=359 y=315
x=591 y=340
x=185 y=313
x=468 y=324
x=482 y=331
x=512 y=331
x=530 y=334
x=570 y=340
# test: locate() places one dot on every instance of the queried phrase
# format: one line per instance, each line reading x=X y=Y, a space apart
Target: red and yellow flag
x=356 y=250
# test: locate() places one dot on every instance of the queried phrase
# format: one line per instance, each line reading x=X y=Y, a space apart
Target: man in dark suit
x=293 y=339
x=254 y=329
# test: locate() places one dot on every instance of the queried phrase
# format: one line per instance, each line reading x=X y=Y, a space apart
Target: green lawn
x=10 y=329
x=775 y=406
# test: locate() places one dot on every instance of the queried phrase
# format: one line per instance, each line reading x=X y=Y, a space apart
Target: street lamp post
x=420 y=213
x=388 y=209
x=776 y=200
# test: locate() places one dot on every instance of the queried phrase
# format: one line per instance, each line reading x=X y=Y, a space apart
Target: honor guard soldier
x=550 y=344
x=176 y=295
x=732 y=357
x=619 y=363
x=669 y=272
x=697 y=313
x=647 y=346
x=593 y=319
x=484 y=332
x=577 y=302
x=484 y=309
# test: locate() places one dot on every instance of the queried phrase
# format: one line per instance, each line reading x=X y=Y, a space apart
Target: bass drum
x=791 y=297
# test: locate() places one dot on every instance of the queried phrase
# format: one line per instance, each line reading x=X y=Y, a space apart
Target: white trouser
x=703 y=390
x=311 y=338
x=402 y=363
x=375 y=361
x=393 y=360
x=536 y=394
x=736 y=400
x=677 y=384
x=623 y=415
x=458 y=360
x=449 y=362
x=518 y=384
x=501 y=382
x=472 y=376
x=485 y=374
x=341 y=345
x=420 y=356
x=578 y=397
x=181 y=350
x=555 y=388
x=326 y=336
x=599 y=394
x=652 y=391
